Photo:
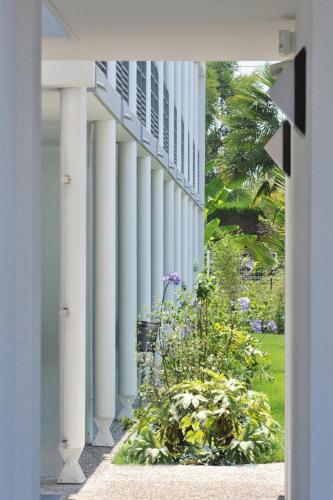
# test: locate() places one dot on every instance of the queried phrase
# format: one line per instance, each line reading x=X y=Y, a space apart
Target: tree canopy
x=240 y=119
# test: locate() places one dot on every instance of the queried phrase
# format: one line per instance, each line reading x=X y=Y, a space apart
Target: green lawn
x=274 y=345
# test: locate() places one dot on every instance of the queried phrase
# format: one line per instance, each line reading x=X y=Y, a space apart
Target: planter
x=146 y=335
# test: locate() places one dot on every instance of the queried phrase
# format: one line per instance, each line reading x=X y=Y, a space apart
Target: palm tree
x=251 y=119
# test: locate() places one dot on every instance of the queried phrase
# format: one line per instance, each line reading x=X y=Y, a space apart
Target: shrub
x=198 y=405
x=213 y=421
x=199 y=333
x=267 y=302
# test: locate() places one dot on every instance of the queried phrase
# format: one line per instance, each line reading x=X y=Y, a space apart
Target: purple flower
x=270 y=326
x=256 y=325
x=244 y=303
x=172 y=279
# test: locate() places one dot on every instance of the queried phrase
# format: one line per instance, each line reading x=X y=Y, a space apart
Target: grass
x=121 y=457
x=274 y=345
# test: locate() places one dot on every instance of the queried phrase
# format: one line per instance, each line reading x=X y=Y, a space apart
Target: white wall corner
x=58 y=74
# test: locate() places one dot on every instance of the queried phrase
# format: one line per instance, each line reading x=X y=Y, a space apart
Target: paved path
x=115 y=482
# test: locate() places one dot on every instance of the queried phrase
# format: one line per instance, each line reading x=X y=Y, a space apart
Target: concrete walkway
x=113 y=482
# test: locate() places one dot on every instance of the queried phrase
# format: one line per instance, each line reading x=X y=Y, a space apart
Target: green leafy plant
x=214 y=421
x=126 y=423
x=202 y=331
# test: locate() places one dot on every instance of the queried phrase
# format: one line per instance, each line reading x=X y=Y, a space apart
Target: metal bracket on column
x=66 y=179
x=64 y=312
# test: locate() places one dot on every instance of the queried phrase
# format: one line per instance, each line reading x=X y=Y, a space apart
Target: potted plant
x=148 y=329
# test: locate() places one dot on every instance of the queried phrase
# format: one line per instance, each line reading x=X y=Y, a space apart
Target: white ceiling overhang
x=167 y=29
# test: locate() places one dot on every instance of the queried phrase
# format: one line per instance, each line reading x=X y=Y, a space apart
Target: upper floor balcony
x=164 y=98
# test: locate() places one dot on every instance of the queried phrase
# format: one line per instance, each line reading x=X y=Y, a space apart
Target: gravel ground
x=91 y=459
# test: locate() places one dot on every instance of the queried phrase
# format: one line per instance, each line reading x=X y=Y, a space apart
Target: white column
x=201 y=238
x=169 y=232
x=190 y=119
x=160 y=66
x=157 y=233
x=190 y=244
x=73 y=158
x=195 y=125
x=127 y=269
x=201 y=131
x=178 y=101
x=132 y=77
x=144 y=235
x=178 y=230
x=196 y=235
x=20 y=256
x=185 y=114
x=185 y=235
x=309 y=270
x=105 y=280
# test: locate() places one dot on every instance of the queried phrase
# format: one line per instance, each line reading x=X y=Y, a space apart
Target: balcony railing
x=182 y=146
x=122 y=79
x=165 y=118
x=194 y=166
x=103 y=66
x=141 y=91
x=154 y=100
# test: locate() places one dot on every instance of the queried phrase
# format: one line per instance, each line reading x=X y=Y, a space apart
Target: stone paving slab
x=113 y=482
x=107 y=481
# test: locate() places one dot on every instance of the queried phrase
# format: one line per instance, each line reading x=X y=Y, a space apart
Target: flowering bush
x=198 y=403
x=244 y=303
x=267 y=306
x=196 y=334
x=172 y=279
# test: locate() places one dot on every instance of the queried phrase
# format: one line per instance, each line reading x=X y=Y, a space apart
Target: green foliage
x=267 y=300
x=214 y=421
x=219 y=86
x=251 y=118
x=235 y=260
x=126 y=423
x=198 y=404
x=201 y=332
x=228 y=257
x=239 y=172
x=210 y=229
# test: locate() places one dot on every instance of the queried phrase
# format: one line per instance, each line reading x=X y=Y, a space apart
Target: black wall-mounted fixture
x=300 y=90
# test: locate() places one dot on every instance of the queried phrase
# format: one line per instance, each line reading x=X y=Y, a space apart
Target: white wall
x=20 y=294
x=51 y=460
x=309 y=339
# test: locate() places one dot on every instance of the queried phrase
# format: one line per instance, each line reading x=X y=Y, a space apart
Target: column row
x=156 y=231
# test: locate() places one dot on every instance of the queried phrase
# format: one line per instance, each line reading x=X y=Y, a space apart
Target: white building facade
x=123 y=193
x=78 y=30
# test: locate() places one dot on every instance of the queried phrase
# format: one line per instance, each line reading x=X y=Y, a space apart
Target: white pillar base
x=127 y=410
x=71 y=472
x=103 y=436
